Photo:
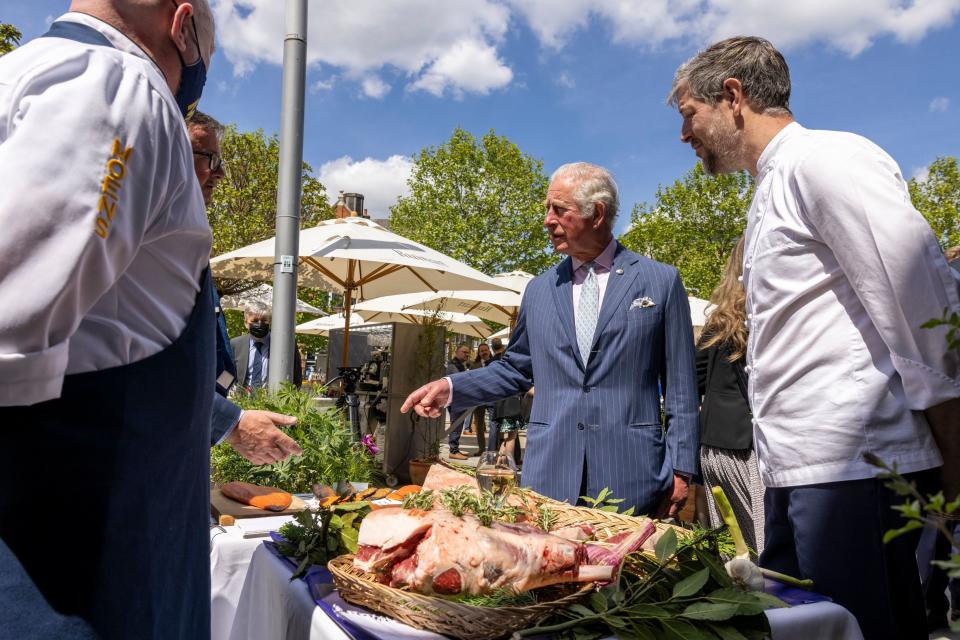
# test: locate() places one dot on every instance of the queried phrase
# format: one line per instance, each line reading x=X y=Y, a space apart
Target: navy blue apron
x=105 y=491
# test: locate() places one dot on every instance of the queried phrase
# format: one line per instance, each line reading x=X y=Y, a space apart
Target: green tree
x=243 y=210
x=937 y=198
x=244 y=206
x=9 y=38
x=479 y=201
x=693 y=225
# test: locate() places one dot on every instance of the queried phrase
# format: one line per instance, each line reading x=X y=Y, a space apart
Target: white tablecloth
x=255 y=599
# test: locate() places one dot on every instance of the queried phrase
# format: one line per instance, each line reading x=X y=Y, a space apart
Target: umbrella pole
x=347 y=299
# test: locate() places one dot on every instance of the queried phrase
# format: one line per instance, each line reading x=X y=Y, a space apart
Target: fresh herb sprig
x=502 y=597
x=546 y=517
x=316 y=538
x=682 y=592
x=464 y=499
x=606 y=502
x=422 y=500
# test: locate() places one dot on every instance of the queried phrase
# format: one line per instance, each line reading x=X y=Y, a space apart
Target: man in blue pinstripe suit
x=597 y=333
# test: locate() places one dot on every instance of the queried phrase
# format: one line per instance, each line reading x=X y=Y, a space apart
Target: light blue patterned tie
x=587 y=311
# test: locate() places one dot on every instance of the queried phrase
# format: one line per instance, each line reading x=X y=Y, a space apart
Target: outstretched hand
x=258 y=439
x=429 y=400
x=672 y=503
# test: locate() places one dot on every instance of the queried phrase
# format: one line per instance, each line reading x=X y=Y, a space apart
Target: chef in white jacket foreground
x=106 y=346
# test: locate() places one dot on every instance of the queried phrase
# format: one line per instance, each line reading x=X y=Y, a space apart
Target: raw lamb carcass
x=435 y=552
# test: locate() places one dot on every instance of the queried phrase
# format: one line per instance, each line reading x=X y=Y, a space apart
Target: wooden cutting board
x=221 y=505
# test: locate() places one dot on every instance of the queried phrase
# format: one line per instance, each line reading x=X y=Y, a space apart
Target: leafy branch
x=606 y=502
x=682 y=592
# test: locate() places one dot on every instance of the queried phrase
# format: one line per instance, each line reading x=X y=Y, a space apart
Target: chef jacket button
x=739 y=278
x=580 y=426
x=749 y=316
x=748 y=368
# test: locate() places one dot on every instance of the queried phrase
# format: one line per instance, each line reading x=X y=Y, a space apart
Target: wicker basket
x=439 y=615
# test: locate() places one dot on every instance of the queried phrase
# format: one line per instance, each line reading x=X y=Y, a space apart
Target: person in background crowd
x=597 y=332
x=484 y=357
x=840 y=272
x=252 y=433
x=512 y=415
x=493 y=437
x=727 y=457
x=457 y=364
x=251 y=352
x=108 y=344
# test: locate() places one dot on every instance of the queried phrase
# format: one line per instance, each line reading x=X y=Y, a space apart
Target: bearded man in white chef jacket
x=840 y=272
x=107 y=353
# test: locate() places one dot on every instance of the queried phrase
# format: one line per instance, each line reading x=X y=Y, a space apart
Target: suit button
x=586 y=389
x=580 y=426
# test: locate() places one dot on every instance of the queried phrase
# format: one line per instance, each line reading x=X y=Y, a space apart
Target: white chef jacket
x=104 y=229
x=840 y=271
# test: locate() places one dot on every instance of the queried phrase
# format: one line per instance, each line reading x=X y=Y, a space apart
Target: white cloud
x=422 y=39
x=374 y=87
x=939 y=104
x=566 y=81
x=850 y=26
x=920 y=174
x=380 y=181
x=469 y=66
x=454 y=48
x=323 y=85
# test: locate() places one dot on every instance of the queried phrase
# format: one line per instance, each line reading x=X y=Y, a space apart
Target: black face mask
x=192 y=78
x=259 y=329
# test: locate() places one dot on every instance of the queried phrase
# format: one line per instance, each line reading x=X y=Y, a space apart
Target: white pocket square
x=642 y=303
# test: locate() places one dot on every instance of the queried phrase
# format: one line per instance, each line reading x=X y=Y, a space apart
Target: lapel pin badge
x=619 y=271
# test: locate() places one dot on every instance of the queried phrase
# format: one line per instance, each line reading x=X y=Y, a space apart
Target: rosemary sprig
x=546 y=517
x=502 y=597
x=422 y=501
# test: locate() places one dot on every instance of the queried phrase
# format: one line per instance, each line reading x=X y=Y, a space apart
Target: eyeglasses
x=215 y=159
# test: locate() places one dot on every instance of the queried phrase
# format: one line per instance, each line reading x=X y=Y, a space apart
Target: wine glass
x=497 y=473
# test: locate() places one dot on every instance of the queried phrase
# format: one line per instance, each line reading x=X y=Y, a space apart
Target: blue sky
x=567 y=79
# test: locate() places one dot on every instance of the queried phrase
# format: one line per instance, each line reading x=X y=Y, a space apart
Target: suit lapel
x=617 y=286
x=563 y=297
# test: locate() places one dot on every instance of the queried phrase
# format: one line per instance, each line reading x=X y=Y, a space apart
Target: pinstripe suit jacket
x=602 y=417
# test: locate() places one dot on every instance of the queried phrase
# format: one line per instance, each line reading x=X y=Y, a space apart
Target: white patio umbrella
x=396 y=309
x=361 y=259
x=323 y=325
x=263 y=294
x=497 y=306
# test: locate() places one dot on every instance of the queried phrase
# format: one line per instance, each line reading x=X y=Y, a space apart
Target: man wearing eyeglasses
x=252 y=433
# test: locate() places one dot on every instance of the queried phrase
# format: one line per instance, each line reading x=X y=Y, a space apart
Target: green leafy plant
x=317 y=537
x=329 y=453
x=922 y=511
x=606 y=502
x=951 y=320
x=682 y=592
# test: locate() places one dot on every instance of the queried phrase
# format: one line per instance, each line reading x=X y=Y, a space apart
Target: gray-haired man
x=840 y=271
x=252 y=433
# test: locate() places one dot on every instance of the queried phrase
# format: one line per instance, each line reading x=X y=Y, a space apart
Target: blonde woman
x=727 y=456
